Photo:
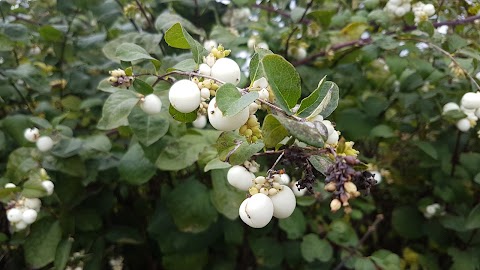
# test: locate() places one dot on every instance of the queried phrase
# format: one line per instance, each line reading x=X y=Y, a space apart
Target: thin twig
x=22 y=96
x=130 y=19
x=309 y=5
x=456 y=153
x=372 y=228
x=144 y=13
x=276 y=161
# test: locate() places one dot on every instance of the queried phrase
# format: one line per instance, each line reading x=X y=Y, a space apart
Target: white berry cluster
x=75 y=262
x=43 y=143
x=119 y=78
x=236 y=17
x=269 y=196
x=116 y=263
x=398 y=8
x=470 y=106
x=422 y=11
x=24 y=211
x=189 y=95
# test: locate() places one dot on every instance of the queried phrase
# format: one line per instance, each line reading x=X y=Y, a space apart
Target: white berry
x=450 y=106
x=284 y=202
x=48 y=186
x=240 y=177
x=21 y=226
x=256 y=211
x=225 y=123
x=226 y=70
x=429 y=9
x=377 y=176
x=10 y=185
x=29 y=216
x=204 y=69
x=209 y=44
x=151 y=104
x=184 y=96
x=200 y=122
x=463 y=124
x=298 y=193
x=44 y=143
x=471 y=101
x=284 y=179
x=205 y=93
x=333 y=138
x=14 y=215
x=31 y=134
x=33 y=203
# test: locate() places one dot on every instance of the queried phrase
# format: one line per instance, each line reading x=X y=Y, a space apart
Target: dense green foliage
x=151 y=190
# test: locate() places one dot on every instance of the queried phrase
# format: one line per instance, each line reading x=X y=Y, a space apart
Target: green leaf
x=268 y=251
x=63 y=253
x=310 y=135
x=116 y=109
x=142 y=87
x=320 y=163
x=231 y=102
x=313 y=248
x=175 y=37
x=50 y=34
x=148 y=128
x=295 y=225
x=428 y=148
x=190 y=206
x=225 y=198
x=256 y=66
x=235 y=149
x=181 y=153
x=41 y=244
x=40 y=122
x=427 y=27
x=14 y=31
x=382 y=131
x=131 y=52
x=186 y=260
x=124 y=235
x=273 y=132
x=167 y=19
x=88 y=220
x=342 y=233
x=364 y=264
x=67 y=147
x=134 y=167
x=407 y=222
x=215 y=164
x=178 y=37
x=283 y=79
x=20 y=164
x=182 y=117
x=323 y=100
x=386 y=259
x=473 y=219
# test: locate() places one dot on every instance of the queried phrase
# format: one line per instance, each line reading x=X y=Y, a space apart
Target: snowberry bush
x=239 y=134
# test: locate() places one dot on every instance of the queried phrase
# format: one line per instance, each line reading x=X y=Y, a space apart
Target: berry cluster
x=43 y=143
x=22 y=211
x=422 y=11
x=343 y=181
x=251 y=129
x=398 y=8
x=298 y=51
x=119 y=78
x=469 y=106
x=269 y=196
